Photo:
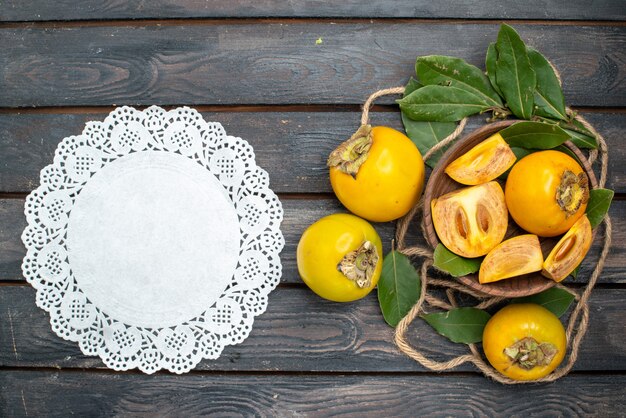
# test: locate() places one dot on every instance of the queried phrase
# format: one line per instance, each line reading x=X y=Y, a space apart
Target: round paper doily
x=153 y=240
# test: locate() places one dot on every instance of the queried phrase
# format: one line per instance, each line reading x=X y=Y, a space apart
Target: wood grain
x=302 y=332
x=305 y=356
x=291 y=146
x=299 y=214
x=52 y=393
x=37 y=10
x=277 y=63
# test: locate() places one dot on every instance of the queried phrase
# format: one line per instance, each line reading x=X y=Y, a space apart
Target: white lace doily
x=153 y=240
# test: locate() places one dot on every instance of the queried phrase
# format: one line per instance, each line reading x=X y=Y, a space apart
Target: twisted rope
x=578 y=322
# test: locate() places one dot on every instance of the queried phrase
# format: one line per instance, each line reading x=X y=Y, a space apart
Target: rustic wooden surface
x=42 y=10
x=255 y=67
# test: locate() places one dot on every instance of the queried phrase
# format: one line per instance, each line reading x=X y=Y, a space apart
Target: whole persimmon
x=377 y=174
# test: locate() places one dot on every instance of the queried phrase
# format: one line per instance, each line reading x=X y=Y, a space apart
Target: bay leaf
x=549 y=100
x=534 y=135
x=514 y=74
x=398 y=287
x=453 y=264
x=411 y=86
x=598 y=205
x=425 y=135
x=490 y=64
x=576 y=125
x=456 y=72
x=581 y=136
x=555 y=300
x=441 y=104
x=460 y=325
x=582 y=140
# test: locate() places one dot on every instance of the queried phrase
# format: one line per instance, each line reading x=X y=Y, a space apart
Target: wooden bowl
x=440 y=183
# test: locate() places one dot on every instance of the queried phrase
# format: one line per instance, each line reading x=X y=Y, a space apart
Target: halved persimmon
x=483 y=163
x=513 y=257
x=471 y=221
x=569 y=252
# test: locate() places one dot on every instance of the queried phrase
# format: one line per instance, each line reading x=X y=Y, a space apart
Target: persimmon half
x=471 y=221
x=569 y=252
x=484 y=162
x=513 y=257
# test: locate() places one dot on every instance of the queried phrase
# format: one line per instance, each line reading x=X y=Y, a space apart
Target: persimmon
x=340 y=257
x=570 y=251
x=484 y=162
x=547 y=192
x=471 y=221
x=513 y=257
x=377 y=174
x=524 y=341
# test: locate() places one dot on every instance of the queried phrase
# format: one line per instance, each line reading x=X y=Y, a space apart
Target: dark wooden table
x=255 y=66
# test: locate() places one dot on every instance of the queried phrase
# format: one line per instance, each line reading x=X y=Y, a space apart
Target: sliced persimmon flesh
x=513 y=257
x=569 y=252
x=471 y=221
x=483 y=163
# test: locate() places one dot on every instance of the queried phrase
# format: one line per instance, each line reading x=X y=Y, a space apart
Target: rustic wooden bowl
x=440 y=183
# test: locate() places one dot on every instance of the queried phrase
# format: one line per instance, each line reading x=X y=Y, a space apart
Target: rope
x=365 y=116
x=579 y=319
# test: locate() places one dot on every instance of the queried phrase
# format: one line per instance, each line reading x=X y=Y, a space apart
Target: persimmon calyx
x=573 y=191
x=527 y=353
x=352 y=153
x=359 y=265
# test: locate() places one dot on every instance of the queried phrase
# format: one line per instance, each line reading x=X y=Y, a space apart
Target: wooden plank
x=299 y=214
x=53 y=393
x=277 y=63
x=302 y=332
x=38 y=10
x=291 y=146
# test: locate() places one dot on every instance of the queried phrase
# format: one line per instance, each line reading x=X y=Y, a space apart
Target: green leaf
x=574 y=272
x=514 y=74
x=398 y=287
x=411 y=86
x=453 y=264
x=555 y=300
x=461 y=325
x=425 y=135
x=441 y=104
x=456 y=72
x=490 y=65
x=549 y=100
x=581 y=136
x=578 y=126
x=598 y=205
x=534 y=135
x=582 y=140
